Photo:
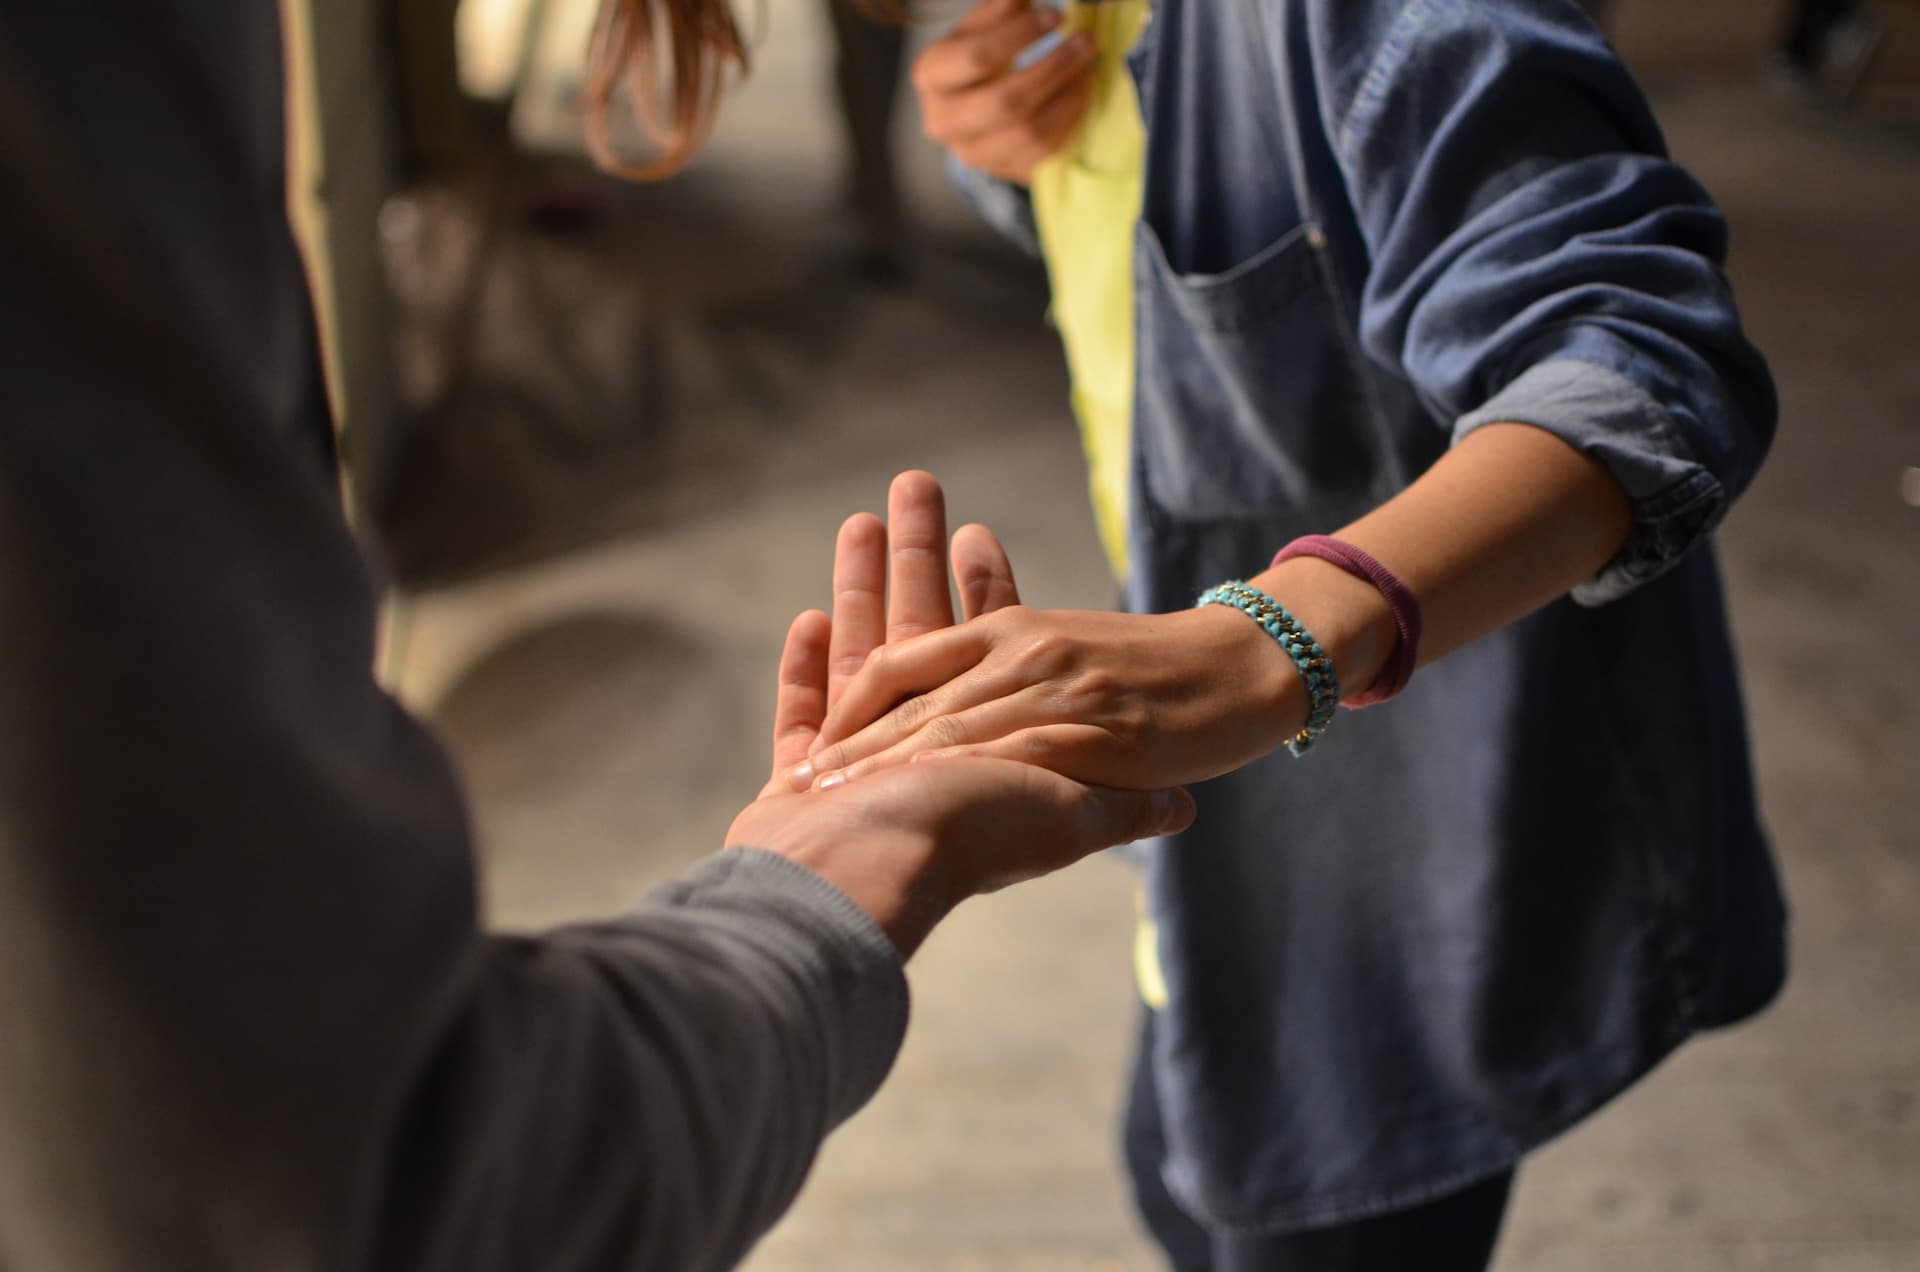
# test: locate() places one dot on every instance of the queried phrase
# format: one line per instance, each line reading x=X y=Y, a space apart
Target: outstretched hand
x=889 y=584
x=910 y=844
x=1132 y=700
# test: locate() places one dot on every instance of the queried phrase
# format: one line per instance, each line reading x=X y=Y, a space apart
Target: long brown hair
x=701 y=49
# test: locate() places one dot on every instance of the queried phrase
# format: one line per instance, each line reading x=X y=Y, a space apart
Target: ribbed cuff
x=859 y=964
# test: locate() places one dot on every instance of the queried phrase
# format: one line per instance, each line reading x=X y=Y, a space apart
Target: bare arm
x=1506 y=521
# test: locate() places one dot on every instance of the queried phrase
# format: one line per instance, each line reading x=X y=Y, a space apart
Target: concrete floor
x=655 y=427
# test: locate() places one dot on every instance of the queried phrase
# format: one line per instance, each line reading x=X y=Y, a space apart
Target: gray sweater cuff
x=861 y=981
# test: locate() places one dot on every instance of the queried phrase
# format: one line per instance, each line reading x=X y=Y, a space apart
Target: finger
x=919 y=726
x=928 y=662
x=859 y=599
x=982 y=572
x=917 y=596
x=977 y=54
x=1108 y=818
x=800 y=694
x=1014 y=152
x=1014 y=100
x=900 y=672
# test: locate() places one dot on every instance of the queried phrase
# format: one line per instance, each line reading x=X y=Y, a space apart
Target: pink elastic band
x=1406 y=611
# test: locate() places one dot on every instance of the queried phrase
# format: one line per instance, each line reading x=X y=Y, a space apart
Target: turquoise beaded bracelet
x=1323 y=687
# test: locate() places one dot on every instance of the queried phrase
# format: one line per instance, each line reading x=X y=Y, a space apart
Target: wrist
x=1236 y=657
x=1352 y=621
x=893 y=875
x=888 y=880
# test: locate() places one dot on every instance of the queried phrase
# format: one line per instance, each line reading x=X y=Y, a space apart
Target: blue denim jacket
x=1474 y=914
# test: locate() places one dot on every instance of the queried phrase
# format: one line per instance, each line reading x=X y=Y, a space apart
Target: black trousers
x=1455 y=1233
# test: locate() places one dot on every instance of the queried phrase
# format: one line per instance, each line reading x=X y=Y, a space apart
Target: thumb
x=1111 y=817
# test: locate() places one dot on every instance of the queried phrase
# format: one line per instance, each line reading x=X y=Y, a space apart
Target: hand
x=909 y=844
x=912 y=844
x=994 y=118
x=1140 y=701
x=886 y=587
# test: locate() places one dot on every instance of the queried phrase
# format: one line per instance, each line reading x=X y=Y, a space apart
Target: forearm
x=1508 y=520
x=647 y=1092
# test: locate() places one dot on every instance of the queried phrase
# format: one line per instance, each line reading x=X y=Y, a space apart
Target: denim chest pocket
x=1251 y=402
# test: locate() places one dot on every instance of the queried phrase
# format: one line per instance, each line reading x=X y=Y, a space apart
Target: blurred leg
x=426 y=77
x=868 y=60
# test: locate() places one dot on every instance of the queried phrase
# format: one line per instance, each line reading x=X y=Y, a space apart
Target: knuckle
x=1096 y=687
x=1044 y=653
x=913 y=712
x=945 y=731
x=1034 y=134
x=973 y=60
x=1128 y=723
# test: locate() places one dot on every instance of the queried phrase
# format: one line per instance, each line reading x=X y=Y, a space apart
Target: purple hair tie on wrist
x=1399 y=667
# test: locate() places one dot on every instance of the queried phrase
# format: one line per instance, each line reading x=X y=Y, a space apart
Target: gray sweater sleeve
x=646 y=1093
x=247 y=1018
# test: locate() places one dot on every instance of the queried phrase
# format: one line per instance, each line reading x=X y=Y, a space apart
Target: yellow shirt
x=1086 y=201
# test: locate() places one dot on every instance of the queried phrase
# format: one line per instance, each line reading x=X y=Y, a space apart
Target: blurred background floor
x=652 y=407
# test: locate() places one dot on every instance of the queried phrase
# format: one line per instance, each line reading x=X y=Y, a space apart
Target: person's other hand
x=909 y=844
x=1130 y=700
x=994 y=117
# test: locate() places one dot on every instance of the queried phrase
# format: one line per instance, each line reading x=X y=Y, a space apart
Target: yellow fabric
x=1148 y=978
x=1086 y=200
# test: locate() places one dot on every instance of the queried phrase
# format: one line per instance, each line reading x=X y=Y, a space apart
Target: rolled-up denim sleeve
x=1001 y=204
x=1536 y=258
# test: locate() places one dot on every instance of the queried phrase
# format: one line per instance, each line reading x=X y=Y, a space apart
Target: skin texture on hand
x=995 y=117
x=915 y=841
x=1508 y=520
x=1119 y=699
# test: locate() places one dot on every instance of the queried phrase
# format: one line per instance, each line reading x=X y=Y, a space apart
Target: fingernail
x=832 y=780
x=800 y=776
x=1037 y=51
x=1082 y=45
